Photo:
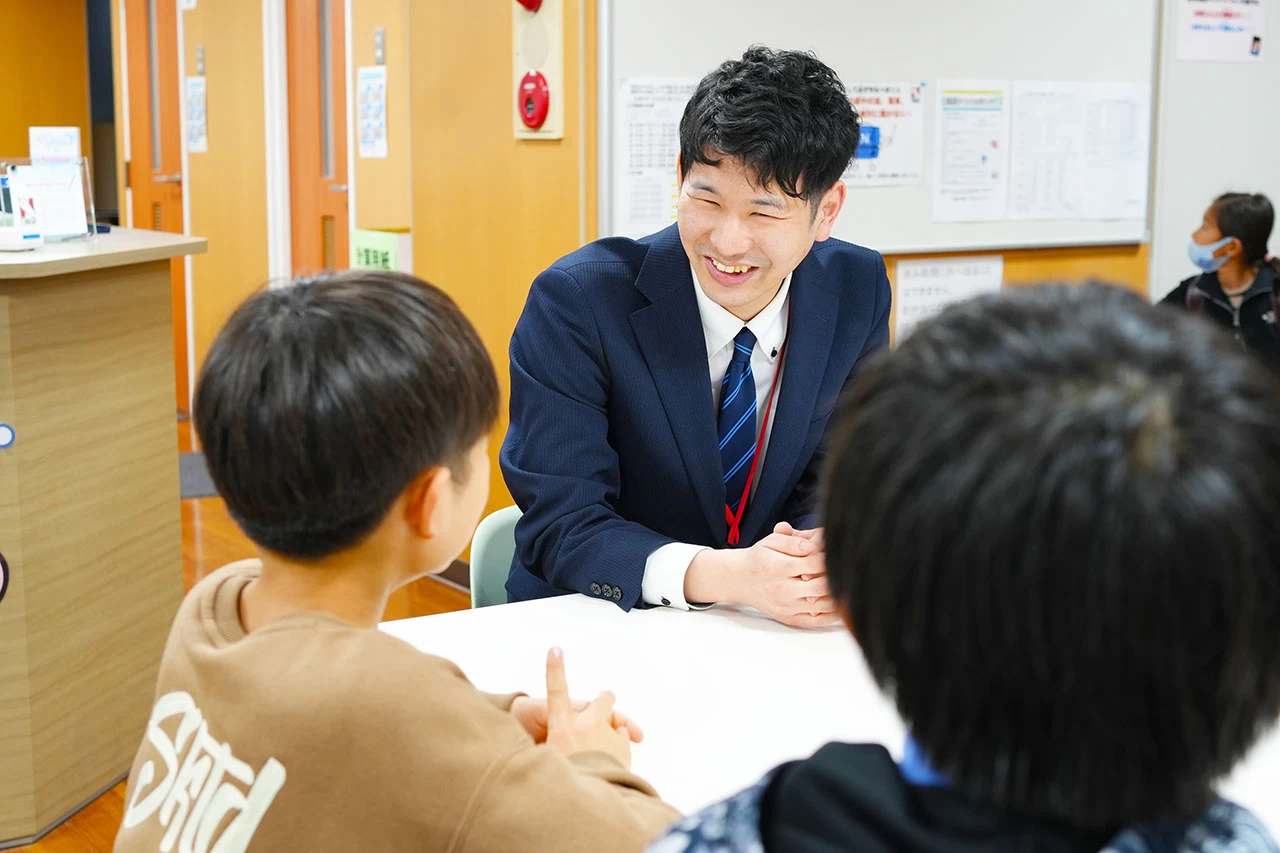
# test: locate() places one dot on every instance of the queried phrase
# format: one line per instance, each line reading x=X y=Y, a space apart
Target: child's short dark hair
x=1053 y=518
x=320 y=402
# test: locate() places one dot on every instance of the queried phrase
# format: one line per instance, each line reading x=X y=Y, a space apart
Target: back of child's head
x=320 y=402
x=1053 y=519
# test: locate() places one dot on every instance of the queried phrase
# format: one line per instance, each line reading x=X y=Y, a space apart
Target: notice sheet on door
x=197 y=116
x=371 y=111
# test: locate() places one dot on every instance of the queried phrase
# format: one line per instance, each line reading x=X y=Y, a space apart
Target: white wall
x=1218 y=130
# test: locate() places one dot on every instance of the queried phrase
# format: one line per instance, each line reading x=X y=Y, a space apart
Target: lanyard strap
x=735 y=520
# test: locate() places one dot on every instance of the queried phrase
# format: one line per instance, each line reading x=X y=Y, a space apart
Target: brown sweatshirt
x=312 y=734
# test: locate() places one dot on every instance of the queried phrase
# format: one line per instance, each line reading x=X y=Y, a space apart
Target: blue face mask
x=1202 y=256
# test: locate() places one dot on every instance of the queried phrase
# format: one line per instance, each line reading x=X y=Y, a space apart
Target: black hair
x=320 y=402
x=1051 y=518
x=784 y=114
x=1250 y=218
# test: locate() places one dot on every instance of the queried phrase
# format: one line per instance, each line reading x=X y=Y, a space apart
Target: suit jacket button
x=617 y=594
x=595 y=589
x=606 y=590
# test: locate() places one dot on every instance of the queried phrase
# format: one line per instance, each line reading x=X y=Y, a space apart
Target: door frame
x=352 y=136
x=275 y=70
x=304 y=34
x=126 y=164
x=275 y=79
x=186 y=209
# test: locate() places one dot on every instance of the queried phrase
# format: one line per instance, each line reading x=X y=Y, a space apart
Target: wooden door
x=318 y=134
x=154 y=168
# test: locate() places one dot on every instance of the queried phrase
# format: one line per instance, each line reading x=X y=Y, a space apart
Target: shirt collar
x=720 y=327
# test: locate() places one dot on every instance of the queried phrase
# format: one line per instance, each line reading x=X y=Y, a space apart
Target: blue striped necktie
x=737 y=423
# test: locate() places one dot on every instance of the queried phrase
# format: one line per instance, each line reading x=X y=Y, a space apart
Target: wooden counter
x=89 y=515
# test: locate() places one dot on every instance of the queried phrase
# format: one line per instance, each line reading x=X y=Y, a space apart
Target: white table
x=723 y=695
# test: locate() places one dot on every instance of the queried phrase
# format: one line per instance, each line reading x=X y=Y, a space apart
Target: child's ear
x=848 y=622
x=425 y=502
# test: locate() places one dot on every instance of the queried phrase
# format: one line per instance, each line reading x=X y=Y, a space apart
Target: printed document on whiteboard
x=891 y=150
x=646 y=146
x=971 y=175
x=1081 y=151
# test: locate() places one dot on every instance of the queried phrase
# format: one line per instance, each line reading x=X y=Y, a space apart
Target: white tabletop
x=723 y=695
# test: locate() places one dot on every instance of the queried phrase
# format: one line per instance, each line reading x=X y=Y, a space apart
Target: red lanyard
x=735 y=521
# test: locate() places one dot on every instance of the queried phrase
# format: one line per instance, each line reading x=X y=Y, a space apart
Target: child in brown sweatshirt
x=345 y=421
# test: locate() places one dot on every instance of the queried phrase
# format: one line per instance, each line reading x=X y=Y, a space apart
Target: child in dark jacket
x=1238 y=286
x=1051 y=527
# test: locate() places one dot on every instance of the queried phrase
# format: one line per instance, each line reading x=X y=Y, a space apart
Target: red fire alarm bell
x=531 y=5
x=534 y=100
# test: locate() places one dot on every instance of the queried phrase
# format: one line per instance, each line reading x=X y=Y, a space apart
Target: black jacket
x=853 y=798
x=1252 y=324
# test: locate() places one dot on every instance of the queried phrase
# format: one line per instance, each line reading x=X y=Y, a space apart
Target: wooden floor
x=210 y=540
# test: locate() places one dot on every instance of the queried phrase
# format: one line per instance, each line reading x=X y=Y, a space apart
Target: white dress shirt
x=664 y=571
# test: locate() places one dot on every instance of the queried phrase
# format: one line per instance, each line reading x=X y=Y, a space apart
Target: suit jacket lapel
x=669 y=332
x=809 y=335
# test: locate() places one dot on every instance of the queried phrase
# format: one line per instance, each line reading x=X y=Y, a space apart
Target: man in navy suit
x=669 y=395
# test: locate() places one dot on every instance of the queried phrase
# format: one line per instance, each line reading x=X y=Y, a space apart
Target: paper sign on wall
x=647 y=145
x=1221 y=30
x=924 y=288
x=891 y=151
x=54 y=144
x=971 y=174
x=371 y=111
x=197 y=116
x=375 y=250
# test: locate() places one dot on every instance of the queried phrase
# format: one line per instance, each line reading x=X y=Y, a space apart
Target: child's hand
x=531 y=714
x=584 y=727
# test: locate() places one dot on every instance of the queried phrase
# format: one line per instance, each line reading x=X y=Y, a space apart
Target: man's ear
x=679 y=172
x=425 y=502
x=828 y=209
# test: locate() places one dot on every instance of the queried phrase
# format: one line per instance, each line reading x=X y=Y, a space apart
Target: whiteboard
x=871 y=41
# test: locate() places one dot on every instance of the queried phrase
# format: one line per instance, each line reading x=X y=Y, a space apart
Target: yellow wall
x=227 y=184
x=50 y=38
x=1123 y=265
x=384 y=197
x=490 y=212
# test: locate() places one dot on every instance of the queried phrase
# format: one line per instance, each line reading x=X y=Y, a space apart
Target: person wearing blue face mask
x=1237 y=287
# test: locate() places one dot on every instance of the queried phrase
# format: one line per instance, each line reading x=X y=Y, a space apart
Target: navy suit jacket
x=612 y=450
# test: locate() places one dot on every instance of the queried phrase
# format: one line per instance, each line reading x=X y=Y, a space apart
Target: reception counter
x=89 y=515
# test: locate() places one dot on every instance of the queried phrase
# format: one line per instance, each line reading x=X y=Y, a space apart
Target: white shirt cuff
x=664 y=571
